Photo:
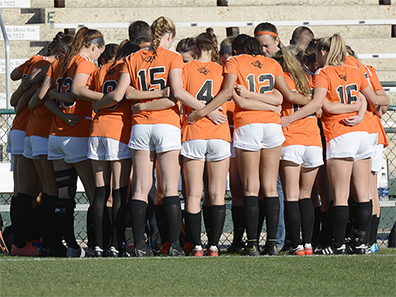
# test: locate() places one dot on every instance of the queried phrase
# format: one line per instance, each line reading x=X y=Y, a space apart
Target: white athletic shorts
x=253 y=137
x=70 y=149
x=35 y=146
x=357 y=145
x=107 y=149
x=16 y=142
x=304 y=155
x=157 y=137
x=376 y=158
x=206 y=149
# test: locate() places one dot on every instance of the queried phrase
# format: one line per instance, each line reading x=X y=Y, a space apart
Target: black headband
x=226 y=50
x=99 y=41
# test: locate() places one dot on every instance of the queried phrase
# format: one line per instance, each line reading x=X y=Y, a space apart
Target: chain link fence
x=388 y=212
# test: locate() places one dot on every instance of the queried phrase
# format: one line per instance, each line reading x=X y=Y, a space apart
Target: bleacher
x=368 y=26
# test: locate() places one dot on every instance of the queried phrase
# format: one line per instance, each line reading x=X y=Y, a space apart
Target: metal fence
x=388 y=210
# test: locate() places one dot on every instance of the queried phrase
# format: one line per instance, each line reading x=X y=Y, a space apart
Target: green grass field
x=350 y=275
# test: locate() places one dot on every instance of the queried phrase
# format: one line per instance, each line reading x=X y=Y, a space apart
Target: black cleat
x=144 y=252
x=333 y=250
x=270 y=250
x=175 y=252
x=357 y=245
x=61 y=252
x=251 y=250
x=98 y=252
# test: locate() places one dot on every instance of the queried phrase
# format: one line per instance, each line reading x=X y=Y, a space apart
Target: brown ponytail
x=82 y=39
x=208 y=42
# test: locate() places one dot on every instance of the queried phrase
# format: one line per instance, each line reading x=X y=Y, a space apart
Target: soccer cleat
x=308 y=249
x=112 y=252
x=144 y=252
x=43 y=252
x=213 y=251
x=236 y=247
x=270 y=250
x=197 y=251
x=357 y=243
x=98 y=252
x=297 y=251
x=75 y=253
x=175 y=252
x=332 y=250
x=28 y=250
x=89 y=252
x=61 y=252
x=164 y=249
x=251 y=250
x=188 y=248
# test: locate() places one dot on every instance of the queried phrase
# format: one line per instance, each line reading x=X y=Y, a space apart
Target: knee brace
x=65 y=206
x=71 y=182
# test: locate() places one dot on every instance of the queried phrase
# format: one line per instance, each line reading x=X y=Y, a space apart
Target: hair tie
x=265 y=33
x=226 y=50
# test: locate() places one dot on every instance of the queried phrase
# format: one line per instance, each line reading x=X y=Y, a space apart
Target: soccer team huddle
x=250 y=109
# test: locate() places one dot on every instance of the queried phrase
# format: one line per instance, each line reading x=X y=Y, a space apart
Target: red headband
x=266 y=33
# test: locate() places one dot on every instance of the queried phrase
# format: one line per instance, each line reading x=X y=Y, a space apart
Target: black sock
x=327 y=229
x=138 y=214
x=43 y=221
x=261 y=216
x=293 y=214
x=374 y=229
x=99 y=205
x=218 y=218
x=250 y=210
x=340 y=220
x=363 y=215
x=64 y=212
x=161 y=223
x=317 y=223
x=193 y=223
x=118 y=216
x=307 y=219
x=207 y=217
x=237 y=219
x=272 y=217
x=173 y=217
x=90 y=227
x=22 y=214
x=55 y=236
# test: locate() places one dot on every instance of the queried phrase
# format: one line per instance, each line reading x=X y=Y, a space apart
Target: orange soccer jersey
x=304 y=131
x=37 y=61
x=257 y=74
x=79 y=64
x=343 y=85
x=113 y=122
x=376 y=85
x=203 y=80
x=150 y=71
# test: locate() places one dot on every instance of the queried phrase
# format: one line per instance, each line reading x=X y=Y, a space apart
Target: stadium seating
x=323 y=17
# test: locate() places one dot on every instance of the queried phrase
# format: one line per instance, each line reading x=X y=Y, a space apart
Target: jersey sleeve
x=23 y=69
x=85 y=67
x=365 y=83
x=278 y=69
x=320 y=80
x=230 y=66
x=374 y=79
x=177 y=62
